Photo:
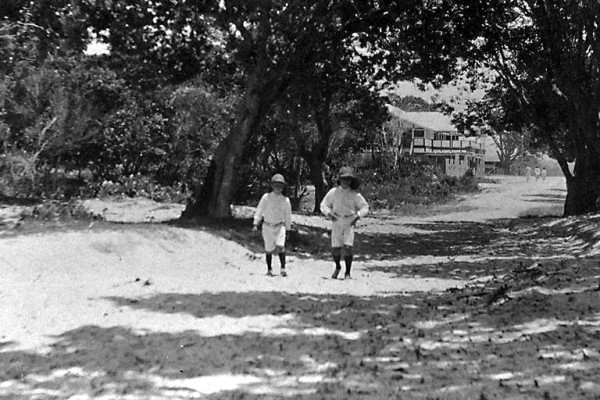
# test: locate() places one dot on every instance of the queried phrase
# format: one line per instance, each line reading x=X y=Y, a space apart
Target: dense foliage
x=73 y=124
x=175 y=81
x=212 y=97
x=544 y=56
x=412 y=184
x=492 y=116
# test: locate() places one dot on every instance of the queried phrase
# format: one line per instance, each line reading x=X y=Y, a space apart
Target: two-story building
x=432 y=135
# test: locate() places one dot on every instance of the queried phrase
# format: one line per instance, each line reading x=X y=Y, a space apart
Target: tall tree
x=260 y=41
x=51 y=27
x=269 y=42
x=546 y=54
x=161 y=42
x=323 y=99
x=410 y=103
x=274 y=41
x=53 y=96
x=492 y=116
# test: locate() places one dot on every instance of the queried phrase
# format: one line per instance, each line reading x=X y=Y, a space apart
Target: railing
x=422 y=145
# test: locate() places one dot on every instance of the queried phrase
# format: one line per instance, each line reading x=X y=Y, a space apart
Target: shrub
x=18 y=174
x=142 y=186
x=418 y=185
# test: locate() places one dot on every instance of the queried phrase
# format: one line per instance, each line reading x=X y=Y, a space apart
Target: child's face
x=345 y=182
x=277 y=187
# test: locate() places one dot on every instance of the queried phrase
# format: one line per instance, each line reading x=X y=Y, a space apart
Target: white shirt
x=274 y=209
x=344 y=203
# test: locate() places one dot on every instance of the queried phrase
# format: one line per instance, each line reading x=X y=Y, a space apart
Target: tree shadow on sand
x=430 y=249
x=436 y=238
x=431 y=239
x=326 y=311
x=336 y=346
x=119 y=361
x=545 y=198
x=315 y=338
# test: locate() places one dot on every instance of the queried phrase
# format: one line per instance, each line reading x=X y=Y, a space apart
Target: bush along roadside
x=58 y=197
x=424 y=186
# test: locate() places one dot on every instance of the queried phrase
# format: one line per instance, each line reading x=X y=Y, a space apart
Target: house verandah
x=432 y=136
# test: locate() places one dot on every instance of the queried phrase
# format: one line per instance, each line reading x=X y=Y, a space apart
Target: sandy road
x=54 y=284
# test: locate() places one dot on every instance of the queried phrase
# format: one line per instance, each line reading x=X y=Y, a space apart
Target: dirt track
x=468 y=303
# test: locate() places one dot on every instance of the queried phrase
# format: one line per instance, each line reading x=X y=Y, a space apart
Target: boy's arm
x=288 y=214
x=326 y=205
x=362 y=206
x=260 y=210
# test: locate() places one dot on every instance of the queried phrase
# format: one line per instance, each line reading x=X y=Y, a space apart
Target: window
x=419 y=133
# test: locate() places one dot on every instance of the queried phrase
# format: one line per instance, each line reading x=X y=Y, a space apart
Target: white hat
x=278 y=178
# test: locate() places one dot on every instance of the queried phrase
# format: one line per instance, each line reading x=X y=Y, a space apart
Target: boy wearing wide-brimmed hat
x=274 y=211
x=344 y=206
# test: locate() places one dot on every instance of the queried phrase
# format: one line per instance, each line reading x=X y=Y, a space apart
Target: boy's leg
x=280 y=248
x=269 y=258
x=269 y=240
x=347 y=250
x=337 y=240
x=348 y=257
x=337 y=257
x=281 y=253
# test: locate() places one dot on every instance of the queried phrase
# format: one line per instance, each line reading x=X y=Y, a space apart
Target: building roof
x=433 y=120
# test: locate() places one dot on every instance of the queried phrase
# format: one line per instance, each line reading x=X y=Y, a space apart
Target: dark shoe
x=283 y=272
x=335 y=273
x=270 y=273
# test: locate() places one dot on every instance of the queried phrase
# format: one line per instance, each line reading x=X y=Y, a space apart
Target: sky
x=96 y=48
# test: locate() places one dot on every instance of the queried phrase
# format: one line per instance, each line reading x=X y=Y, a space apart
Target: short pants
x=342 y=232
x=273 y=236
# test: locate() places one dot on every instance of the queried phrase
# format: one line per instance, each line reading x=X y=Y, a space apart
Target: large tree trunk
x=583 y=187
x=214 y=197
x=320 y=151
x=317 y=177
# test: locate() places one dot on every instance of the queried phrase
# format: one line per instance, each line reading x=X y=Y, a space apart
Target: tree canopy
x=311 y=57
x=545 y=54
x=283 y=45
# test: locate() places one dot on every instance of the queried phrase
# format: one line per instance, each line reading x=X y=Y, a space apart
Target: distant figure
x=527 y=173
x=538 y=173
x=544 y=173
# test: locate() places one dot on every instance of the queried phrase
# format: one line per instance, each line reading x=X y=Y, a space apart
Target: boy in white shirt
x=344 y=206
x=274 y=211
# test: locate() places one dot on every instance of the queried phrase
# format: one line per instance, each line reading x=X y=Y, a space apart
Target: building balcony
x=446 y=147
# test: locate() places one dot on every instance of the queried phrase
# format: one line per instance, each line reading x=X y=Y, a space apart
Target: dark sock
x=348 y=261
x=282 y=260
x=269 y=261
x=337 y=260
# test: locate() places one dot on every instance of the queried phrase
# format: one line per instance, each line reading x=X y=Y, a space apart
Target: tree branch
x=560 y=157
